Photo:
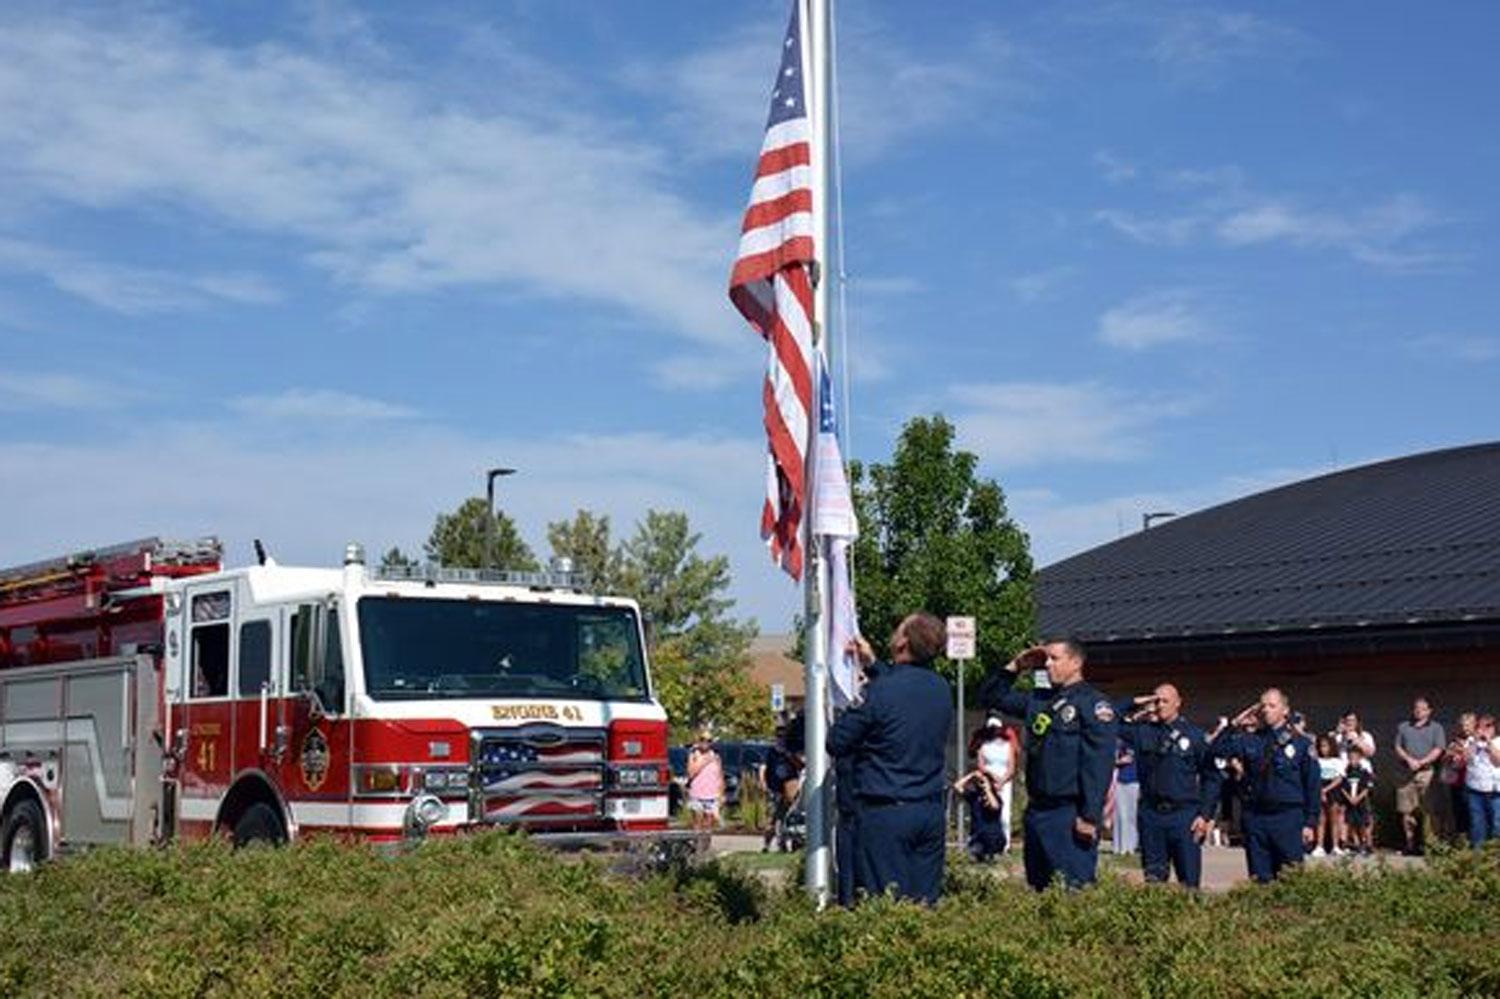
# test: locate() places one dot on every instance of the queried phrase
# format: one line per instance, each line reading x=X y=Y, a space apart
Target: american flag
x=772 y=287
x=518 y=780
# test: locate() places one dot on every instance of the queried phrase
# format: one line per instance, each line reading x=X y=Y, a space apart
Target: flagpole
x=817 y=18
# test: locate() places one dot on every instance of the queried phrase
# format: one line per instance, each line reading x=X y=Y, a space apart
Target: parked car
x=677 y=790
x=742 y=762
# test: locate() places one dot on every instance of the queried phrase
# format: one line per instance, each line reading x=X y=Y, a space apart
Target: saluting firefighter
x=1179 y=780
x=1070 y=756
x=1282 y=783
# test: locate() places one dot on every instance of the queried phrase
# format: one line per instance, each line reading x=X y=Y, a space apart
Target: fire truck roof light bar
x=477 y=577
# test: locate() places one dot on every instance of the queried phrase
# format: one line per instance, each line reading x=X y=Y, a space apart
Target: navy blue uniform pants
x=1272 y=841
x=1167 y=842
x=1051 y=847
x=845 y=835
x=899 y=847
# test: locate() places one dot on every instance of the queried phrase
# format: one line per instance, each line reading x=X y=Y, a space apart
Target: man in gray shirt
x=1419 y=745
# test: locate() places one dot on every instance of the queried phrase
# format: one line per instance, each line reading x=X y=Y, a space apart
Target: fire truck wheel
x=259 y=825
x=24 y=836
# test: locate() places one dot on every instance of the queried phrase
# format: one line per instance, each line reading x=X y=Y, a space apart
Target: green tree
x=936 y=537
x=395 y=558
x=459 y=539
x=700 y=656
x=585 y=539
x=675 y=586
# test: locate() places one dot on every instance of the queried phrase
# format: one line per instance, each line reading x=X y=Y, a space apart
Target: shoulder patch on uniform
x=1103 y=711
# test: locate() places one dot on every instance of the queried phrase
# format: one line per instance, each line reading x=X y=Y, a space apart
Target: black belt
x=1044 y=801
x=867 y=801
x=1274 y=807
x=1165 y=805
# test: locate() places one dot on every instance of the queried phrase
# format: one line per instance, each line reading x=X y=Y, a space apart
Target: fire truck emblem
x=314 y=759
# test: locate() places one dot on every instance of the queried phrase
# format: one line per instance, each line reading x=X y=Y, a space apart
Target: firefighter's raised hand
x=860 y=649
x=1032 y=658
x=1250 y=714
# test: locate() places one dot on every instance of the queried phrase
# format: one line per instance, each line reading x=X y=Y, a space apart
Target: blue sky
x=300 y=271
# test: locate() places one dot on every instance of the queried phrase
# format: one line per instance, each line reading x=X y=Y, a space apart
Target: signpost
x=778 y=697
x=961 y=634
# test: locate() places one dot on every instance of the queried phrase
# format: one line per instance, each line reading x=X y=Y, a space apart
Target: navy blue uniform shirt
x=1174 y=763
x=1070 y=743
x=1281 y=770
x=898 y=735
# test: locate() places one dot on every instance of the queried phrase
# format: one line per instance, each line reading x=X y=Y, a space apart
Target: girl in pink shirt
x=705 y=783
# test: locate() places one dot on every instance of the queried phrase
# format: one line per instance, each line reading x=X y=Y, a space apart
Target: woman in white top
x=1482 y=783
x=1331 y=768
x=997 y=757
x=1349 y=734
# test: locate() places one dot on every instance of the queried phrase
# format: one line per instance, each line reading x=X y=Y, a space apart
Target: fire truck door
x=204 y=715
x=256 y=688
x=315 y=765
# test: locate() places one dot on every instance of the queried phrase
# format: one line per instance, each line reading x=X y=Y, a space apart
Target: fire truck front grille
x=539 y=774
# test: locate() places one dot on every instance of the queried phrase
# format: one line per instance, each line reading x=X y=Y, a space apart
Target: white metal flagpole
x=817 y=19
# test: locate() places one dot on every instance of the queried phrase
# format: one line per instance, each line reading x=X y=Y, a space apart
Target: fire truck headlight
x=636 y=777
x=425 y=811
x=450 y=781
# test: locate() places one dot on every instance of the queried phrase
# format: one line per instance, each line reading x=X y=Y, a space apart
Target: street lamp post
x=489 y=525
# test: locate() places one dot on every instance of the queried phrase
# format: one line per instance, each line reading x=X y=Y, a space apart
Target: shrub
x=493 y=915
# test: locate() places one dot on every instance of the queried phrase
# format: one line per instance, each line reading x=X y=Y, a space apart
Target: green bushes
x=491 y=915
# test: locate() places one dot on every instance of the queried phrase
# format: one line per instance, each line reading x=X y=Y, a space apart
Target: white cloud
x=385 y=182
x=1374 y=235
x=1011 y=424
x=1196 y=41
x=1114 y=168
x=1161 y=231
x=22 y=391
x=318 y=405
x=1458 y=347
x=718 y=95
x=306 y=499
x=1060 y=527
x=1192 y=44
x=1039 y=286
x=1390 y=233
x=130 y=290
x=1156 y=318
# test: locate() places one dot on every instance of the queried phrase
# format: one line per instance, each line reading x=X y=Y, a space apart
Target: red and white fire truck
x=148 y=694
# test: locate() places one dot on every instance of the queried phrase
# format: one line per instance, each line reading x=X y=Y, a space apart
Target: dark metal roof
x=1415 y=540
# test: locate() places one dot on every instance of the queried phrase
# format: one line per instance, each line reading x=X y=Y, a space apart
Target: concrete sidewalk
x=1223 y=866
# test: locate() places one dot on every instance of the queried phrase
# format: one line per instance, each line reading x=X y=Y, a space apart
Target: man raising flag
x=779 y=285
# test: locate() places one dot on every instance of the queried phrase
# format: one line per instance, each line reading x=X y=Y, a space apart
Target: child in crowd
x=1330 y=818
x=987 y=832
x=1354 y=794
x=705 y=771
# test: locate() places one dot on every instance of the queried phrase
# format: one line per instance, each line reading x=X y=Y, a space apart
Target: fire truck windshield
x=424 y=648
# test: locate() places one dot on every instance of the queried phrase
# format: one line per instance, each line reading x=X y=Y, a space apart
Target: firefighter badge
x=314 y=759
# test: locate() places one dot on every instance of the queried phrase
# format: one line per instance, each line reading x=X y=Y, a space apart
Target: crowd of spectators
x=1447 y=784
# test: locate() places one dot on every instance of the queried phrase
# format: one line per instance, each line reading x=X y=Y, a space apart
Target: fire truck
x=147 y=694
